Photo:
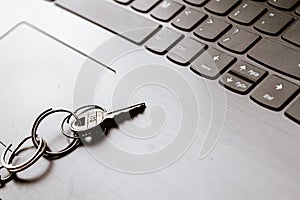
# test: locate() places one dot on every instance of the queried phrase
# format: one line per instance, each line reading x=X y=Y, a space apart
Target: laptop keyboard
x=248 y=41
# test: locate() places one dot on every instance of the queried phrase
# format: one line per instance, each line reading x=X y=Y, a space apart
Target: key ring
x=6 y=178
x=67 y=119
x=21 y=167
x=48 y=153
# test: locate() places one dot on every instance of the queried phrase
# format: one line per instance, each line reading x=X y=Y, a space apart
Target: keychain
x=87 y=120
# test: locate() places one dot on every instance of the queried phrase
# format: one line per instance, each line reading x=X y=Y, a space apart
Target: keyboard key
x=166 y=10
x=293 y=34
x=104 y=14
x=277 y=56
x=283 y=4
x=235 y=84
x=125 y=2
x=221 y=7
x=188 y=19
x=185 y=51
x=162 y=41
x=211 y=29
x=248 y=71
x=238 y=40
x=144 y=5
x=274 y=93
x=246 y=13
x=211 y=63
x=195 y=2
x=273 y=23
x=293 y=111
x=298 y=10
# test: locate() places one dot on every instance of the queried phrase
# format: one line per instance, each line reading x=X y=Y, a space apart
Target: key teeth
x=139 y=109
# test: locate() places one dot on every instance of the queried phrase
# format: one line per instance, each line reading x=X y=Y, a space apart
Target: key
x=144 y=6
x=293 y=34
x=238 y=40
x=277 y=56
x=248 y=71
x=283 y=4
x=235 y=84
x=273 y=23
x=162 y=41
x=221 y=7
x=211 y=29
x=166 y=10
x=212 y=63
x=113 y=18
x=188 y=19
x=94 y=117
x=195 y=2
x=246 y=13
x=293 y=111
x=274 y=92
x=185 y=51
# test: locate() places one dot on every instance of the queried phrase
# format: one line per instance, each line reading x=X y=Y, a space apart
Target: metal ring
x=67 y=119
x=21 y=167
x=62 y=130
x=6 y=178
x=48 y=153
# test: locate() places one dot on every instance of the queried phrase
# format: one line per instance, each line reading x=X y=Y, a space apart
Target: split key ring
x=33 y=159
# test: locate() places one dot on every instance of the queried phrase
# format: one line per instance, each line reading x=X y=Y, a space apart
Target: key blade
x=142 y=106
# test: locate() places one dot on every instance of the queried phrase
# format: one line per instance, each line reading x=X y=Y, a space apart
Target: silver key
x=93 y=116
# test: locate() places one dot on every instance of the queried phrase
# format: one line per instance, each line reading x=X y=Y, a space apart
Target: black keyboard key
x=274 y=93
x=293 y=34
x=248 y=71
x=188 y=19
x=273 y=23
x=144 y=5
x=126 y=24
x=246 y=13
x=166 y=10
x=283 y=4
x=293 y=111
x=185 y=51
x=238 y=40
x=125 y=2
x=212 y=63
x=195 y=2
x=235 y=83
x=221 y=7
x=211 y=29
x=277 y=56
x=162 y=41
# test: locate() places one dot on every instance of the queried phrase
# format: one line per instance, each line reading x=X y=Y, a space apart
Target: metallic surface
x=257 y=156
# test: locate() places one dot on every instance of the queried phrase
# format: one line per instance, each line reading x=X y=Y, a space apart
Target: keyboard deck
x=254 y=45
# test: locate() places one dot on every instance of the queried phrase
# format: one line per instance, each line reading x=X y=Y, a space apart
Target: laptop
x=220 y=80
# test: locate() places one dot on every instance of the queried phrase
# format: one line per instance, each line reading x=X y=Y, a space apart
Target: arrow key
x=275 y=92
x=235 y=84
x=250 y=72
x=293 y=111
x=211 y=63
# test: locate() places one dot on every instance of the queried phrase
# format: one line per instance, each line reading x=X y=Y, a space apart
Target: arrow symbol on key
x=279 y=86
x=243 y=67
x=216 y=58
x=229 y=80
